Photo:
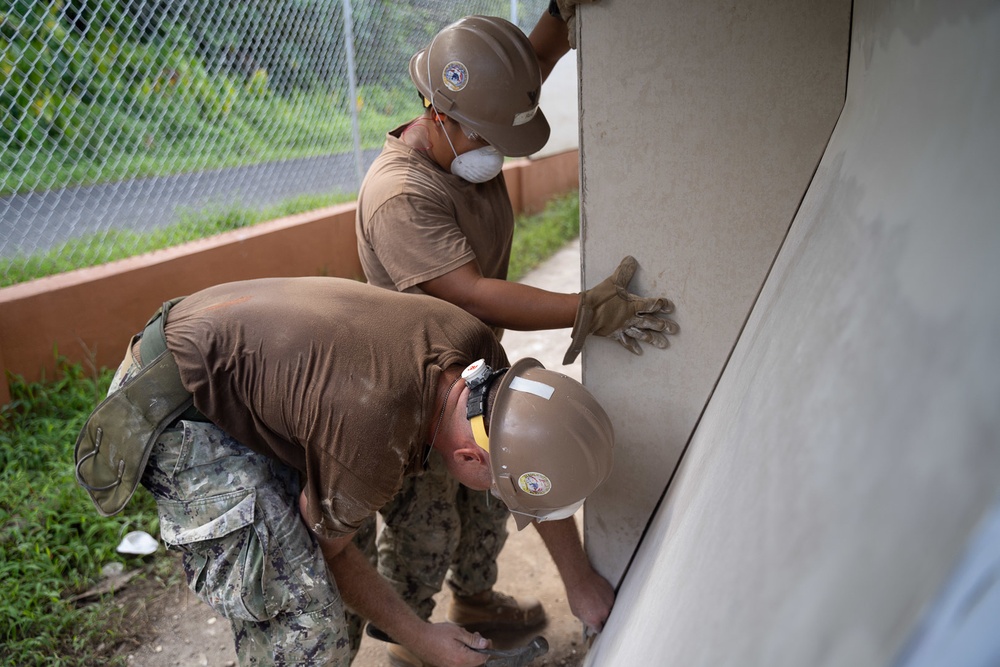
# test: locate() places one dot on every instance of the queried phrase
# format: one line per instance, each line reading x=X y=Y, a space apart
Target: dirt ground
x=183 y=631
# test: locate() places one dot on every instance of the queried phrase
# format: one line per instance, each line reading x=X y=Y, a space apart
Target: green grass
x=537 y=237
x=53 y=543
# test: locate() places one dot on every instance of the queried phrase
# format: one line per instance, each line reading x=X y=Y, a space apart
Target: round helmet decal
x=534 y=483
x=455 y=75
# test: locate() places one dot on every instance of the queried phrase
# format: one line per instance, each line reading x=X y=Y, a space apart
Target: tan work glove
x=567 y=10
x=610 y=310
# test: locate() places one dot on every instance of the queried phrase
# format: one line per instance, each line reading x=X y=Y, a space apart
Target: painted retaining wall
x=89 y=315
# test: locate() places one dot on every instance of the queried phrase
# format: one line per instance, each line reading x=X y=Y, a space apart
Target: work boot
x=400 y=657
x=491 y=611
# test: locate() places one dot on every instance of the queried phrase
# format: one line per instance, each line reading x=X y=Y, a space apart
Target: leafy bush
x=101 y=95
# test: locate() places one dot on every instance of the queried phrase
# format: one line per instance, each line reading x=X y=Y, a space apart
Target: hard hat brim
x=522 y=521
x=418 y=72
x=515 y=141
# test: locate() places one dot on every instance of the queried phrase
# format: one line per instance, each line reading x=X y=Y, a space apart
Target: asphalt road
x=36 y=221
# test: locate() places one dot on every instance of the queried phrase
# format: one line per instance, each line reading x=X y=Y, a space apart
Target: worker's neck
x=444 y=400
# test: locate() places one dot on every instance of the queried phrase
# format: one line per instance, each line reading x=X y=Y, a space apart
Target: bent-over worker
x=278 y=415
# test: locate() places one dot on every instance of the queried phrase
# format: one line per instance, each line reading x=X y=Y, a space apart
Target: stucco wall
x=702 y=124
x=849 y=456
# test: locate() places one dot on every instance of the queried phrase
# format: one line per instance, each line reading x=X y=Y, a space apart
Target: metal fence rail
x=132 y=115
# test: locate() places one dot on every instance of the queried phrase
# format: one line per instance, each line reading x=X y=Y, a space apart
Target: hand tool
x=514 y=657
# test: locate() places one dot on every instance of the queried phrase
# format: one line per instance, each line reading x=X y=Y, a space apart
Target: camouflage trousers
x=436 y=526
x=234 y=515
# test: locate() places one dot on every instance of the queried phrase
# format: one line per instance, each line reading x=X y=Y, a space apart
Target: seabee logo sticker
x=534 y=483
x=455 y=75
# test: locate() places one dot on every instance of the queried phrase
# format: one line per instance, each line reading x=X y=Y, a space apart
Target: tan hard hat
x=550 y=443
x=482 y=71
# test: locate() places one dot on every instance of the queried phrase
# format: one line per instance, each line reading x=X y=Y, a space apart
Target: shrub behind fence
x=124 y=116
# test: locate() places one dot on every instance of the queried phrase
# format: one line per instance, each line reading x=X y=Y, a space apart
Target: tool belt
x=114 y=445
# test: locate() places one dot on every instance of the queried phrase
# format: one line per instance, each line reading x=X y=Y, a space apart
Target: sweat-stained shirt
x=416 y=221
x=333 y=377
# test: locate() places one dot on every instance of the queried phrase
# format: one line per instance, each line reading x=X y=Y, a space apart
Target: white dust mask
x=479 y=165
x=476 y=166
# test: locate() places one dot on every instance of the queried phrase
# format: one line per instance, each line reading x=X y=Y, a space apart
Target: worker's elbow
x=480 y=311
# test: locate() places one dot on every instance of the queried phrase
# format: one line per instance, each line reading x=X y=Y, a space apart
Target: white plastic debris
x=112 y=570
x=138 y=543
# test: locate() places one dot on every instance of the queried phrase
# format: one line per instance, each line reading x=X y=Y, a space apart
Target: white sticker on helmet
x=532 y=387
x=524 y=116
x=534 y=483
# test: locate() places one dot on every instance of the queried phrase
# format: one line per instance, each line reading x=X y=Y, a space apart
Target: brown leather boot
x=489 y=611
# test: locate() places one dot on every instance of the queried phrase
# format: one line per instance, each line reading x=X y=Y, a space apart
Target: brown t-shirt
x=416 y=222
x=333 y=377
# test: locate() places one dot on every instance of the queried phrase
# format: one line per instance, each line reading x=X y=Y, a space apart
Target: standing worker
x=271 y=418
x=434 y=217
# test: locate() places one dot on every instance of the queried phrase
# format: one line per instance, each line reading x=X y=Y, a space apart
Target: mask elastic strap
x=441 y=123
x=430 y=84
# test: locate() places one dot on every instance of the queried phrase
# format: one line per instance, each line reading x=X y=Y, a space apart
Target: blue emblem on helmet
x=455 y=75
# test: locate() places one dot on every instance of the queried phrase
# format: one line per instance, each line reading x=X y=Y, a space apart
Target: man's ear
x=469 y=454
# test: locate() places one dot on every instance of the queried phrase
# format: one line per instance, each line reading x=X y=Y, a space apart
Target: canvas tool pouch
x=114 y=445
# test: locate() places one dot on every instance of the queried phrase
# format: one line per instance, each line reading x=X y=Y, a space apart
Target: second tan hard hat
x=550 y=443
x=482 y=71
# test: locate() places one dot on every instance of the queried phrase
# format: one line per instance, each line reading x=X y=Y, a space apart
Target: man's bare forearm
x=369 y=595
x=363 y=589
x=562 y=539
x=590 y=595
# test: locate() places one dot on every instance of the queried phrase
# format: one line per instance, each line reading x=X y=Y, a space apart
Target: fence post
x=353 y=88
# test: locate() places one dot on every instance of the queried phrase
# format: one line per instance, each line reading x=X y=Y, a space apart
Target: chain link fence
x=125 y=119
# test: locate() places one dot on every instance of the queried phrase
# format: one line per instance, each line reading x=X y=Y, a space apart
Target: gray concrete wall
x=850 y=454
x=701 y=126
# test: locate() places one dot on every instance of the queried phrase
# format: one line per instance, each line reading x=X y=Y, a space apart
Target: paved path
x=36 y=221
x=560 y=273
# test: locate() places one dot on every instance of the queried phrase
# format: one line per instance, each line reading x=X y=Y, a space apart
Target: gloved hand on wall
x=610 y=310
x=567 y=10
